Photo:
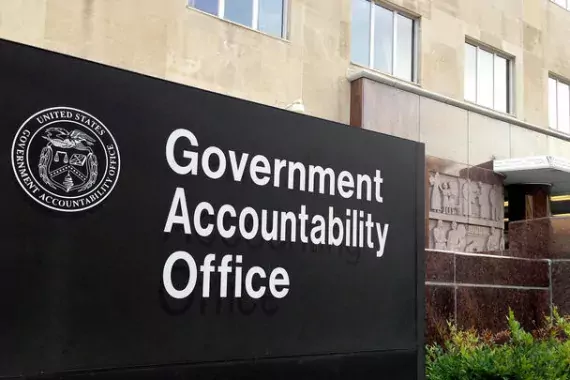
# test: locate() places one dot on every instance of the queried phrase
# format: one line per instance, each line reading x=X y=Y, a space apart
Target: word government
x=350 y=227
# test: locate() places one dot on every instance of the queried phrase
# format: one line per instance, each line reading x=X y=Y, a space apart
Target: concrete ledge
x=550 y=170
x=359 y=73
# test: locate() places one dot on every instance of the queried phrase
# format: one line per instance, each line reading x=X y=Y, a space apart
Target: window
x=487 y=78
x=383 y=39
x=562 y=3
x=267 y=16
x=559 y=105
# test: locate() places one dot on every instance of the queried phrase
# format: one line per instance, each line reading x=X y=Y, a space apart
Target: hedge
x=512 y=354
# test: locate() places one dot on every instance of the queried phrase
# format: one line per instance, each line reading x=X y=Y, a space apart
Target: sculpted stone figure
x=453 y=195
x=446 y=191
x=476 y=200
x=495 y=203
x=465 y=187
x=456 y=237
x=436 y=192
x=439 y=240
x=494 y=240
x=473 y=246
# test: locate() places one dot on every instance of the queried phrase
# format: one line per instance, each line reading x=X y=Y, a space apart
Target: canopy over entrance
x=554 y=171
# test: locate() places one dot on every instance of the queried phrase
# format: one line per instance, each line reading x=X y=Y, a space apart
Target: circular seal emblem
x=65 y=159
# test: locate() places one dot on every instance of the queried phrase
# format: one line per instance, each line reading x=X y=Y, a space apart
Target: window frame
x=254 y=16
x=567 y=7
x=415 y=28
x=557 y=79
x=510 y=75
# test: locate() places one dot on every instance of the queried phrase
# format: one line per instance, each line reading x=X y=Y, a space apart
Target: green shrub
x=513 y=354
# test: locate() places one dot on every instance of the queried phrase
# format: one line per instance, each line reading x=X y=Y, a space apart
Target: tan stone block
x=488 y=139
x=448 y=6
x=442 y=46
x=442 y=70
x=324 y=91
x=527 y=143
x=512 y=30
x=487 y=14
x=533 y=12
x=118 y=37
x=443 y=28
x=344 y=41
x=532 y=38
x=491 y=21
x=491 y=39
x=413 y=7
x=556 y=46
x=472 y=31
x=23 y=21
x=425 y=7
x=210 y=53
x=469 y=12
x=68 y=24
x=514 y=9
x=535 y=90
x=327 y=10
x=443 y=128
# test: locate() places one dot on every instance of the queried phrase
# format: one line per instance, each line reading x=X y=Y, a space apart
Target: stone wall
x=477 y=289
x=470 y=277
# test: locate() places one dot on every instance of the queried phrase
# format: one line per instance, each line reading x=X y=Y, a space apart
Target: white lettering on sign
x=213 y=163
x=256 y=281
x=350 y=228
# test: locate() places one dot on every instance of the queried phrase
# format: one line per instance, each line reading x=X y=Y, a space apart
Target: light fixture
x=560 y=198
x=296 y=106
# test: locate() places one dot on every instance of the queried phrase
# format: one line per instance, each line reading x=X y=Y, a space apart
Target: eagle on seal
x=75 y=139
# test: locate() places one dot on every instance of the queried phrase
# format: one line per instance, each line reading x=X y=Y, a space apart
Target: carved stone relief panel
x=465 y=215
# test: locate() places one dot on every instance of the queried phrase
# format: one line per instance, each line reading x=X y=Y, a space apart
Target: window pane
x=404 y=47
x=563 y=108
x=501 y=84
x=240 y=11
x=271 y=17
x=552 y=112
x=210 y=6
x=485 y=79
x=470 y=73
x=383 y=35
x=360 y=35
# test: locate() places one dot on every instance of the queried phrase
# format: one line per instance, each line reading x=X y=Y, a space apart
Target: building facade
x=484 y=84
x=312 y=51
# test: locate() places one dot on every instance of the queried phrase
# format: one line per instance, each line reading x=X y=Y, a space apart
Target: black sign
x=155 y=230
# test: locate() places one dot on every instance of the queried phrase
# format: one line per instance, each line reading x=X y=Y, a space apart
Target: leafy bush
x=513 y=354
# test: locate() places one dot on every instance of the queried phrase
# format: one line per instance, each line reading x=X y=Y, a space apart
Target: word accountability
x=349 y=228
